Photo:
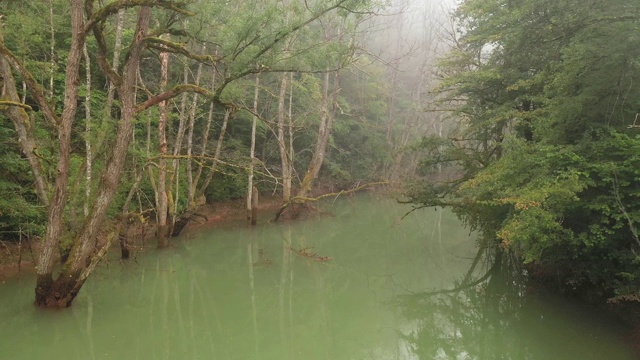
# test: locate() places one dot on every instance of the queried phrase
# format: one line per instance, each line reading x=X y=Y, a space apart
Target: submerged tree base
x=58 y=293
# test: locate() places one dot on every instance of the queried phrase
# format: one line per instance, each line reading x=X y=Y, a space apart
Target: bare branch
x=171 y=93
x=177 y=48
x=32 y=84
x=112 y=8
x=103 y=62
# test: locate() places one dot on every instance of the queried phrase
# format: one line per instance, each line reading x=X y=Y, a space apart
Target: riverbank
x=18 y=259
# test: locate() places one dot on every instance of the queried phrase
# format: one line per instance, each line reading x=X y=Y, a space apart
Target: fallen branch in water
x=307 y=253
x=304 y=200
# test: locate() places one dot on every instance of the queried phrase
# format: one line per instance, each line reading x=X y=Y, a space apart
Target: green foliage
x=228 y=184
x=357 y=152
x=241 y=37
x=19 y=208
x=547 y=149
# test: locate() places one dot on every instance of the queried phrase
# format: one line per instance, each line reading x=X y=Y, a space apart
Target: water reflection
x=266 y=294
x=492 y=314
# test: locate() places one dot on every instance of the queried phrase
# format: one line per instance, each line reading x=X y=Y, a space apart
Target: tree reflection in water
x=467 y=321
x=490 y=314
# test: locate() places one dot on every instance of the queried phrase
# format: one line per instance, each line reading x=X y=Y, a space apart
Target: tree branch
x=302 y=200
x=31 y=83
x=103 y=62
x=15 y=103
x=177 y=48
x=112 y=8
x=171 y=93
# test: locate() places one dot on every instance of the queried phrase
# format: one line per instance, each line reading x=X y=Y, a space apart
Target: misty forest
x=304 y=179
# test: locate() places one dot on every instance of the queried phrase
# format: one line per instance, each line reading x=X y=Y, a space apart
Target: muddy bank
x=17 y=258
x=231 y=213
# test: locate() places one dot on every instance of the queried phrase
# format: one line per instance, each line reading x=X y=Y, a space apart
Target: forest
x=546 y=143
x=122 y=112
x=521 y=116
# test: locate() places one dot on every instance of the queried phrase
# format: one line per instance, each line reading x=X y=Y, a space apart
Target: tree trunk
x=216 y=156
x=291 y=151
x=205 y=141
x=87 y=130
x=52 y=45
x=117 y=48
x=125 y=219
x=176 y=225
x=192 y=118
x=327 y=108
x=254 y=206
x=62 y=291
x=162 y=208
x=177 y=146
x=47 y=293
x=282 y=143
x=253 y=150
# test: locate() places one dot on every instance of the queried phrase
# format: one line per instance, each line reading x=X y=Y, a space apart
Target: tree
x=251 y=190
x=161 y=196
x=61 y=291
x=285 y=146
x=545 y=147
x=247 y=38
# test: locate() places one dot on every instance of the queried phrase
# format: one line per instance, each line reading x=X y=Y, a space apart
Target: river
x=361 y=284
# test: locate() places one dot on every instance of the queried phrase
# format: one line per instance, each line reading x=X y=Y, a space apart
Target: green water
x=248 y=294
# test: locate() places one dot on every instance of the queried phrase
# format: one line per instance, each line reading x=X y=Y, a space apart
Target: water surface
x=260 y=294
